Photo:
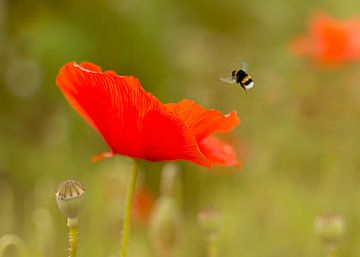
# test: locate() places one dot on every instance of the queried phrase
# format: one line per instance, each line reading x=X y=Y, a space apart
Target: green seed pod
x=330 y=229
x=70 y=199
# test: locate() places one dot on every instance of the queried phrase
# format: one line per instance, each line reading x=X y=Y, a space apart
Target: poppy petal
x=90 y=66
x=202 y=121
x=168 y=136
x=218 y=152
x=102 y=156
x=64 y=81
x=112 y=104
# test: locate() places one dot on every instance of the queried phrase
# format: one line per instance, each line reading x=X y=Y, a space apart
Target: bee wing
x=244 y=66
x=230 y=80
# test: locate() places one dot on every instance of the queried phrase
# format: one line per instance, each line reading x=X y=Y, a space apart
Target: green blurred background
x=298 y=139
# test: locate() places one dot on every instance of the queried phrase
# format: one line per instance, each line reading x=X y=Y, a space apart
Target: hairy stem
x=73 y=241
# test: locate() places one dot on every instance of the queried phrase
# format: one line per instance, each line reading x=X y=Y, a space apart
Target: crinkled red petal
x=218 y=152
x=168 y=138
x=203 y=122
x=90 y=66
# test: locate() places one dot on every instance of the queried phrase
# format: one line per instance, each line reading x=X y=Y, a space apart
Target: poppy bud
x=70 y=199
x=170 y=182
x=165 y=226
x=209 y=219
x=330 y=229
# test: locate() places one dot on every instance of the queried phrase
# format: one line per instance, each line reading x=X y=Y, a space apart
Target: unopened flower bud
x=70 y=199
x=165 y=226
x=209 y=219
x=170 y=182
x=330 y=228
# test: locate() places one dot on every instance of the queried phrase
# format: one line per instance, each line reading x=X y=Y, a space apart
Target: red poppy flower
x=135 y=123
x=330 y=41
x=142 y=205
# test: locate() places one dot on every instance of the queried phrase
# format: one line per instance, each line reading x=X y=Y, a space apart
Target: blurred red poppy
x=142 y=206
x=135 y=123
x=330 y=41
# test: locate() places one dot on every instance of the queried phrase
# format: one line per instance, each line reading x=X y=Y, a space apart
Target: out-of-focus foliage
x=298 y=140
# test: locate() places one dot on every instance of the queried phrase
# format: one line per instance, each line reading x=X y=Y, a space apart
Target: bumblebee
x=240 y=77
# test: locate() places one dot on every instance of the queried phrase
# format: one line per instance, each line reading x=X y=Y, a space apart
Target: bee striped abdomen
x=244 y=79
x=247 y=80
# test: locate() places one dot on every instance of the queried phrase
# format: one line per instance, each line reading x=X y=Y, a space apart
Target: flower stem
x=128 y=207
x=73 y=240
x=212 y=247
x=331 y=253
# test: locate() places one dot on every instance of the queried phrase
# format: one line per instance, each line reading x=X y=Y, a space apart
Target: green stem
x=128 y=208
x=331 y=253
x=73 y=241
x=212 y=245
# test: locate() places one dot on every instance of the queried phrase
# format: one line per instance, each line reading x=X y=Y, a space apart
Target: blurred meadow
x=298 y=139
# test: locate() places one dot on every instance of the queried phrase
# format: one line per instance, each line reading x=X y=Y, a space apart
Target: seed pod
x=330 y=228
x=70 y=199
x=209 y=219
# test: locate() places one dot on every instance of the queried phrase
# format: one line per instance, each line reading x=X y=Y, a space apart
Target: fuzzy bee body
x=240 y=77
